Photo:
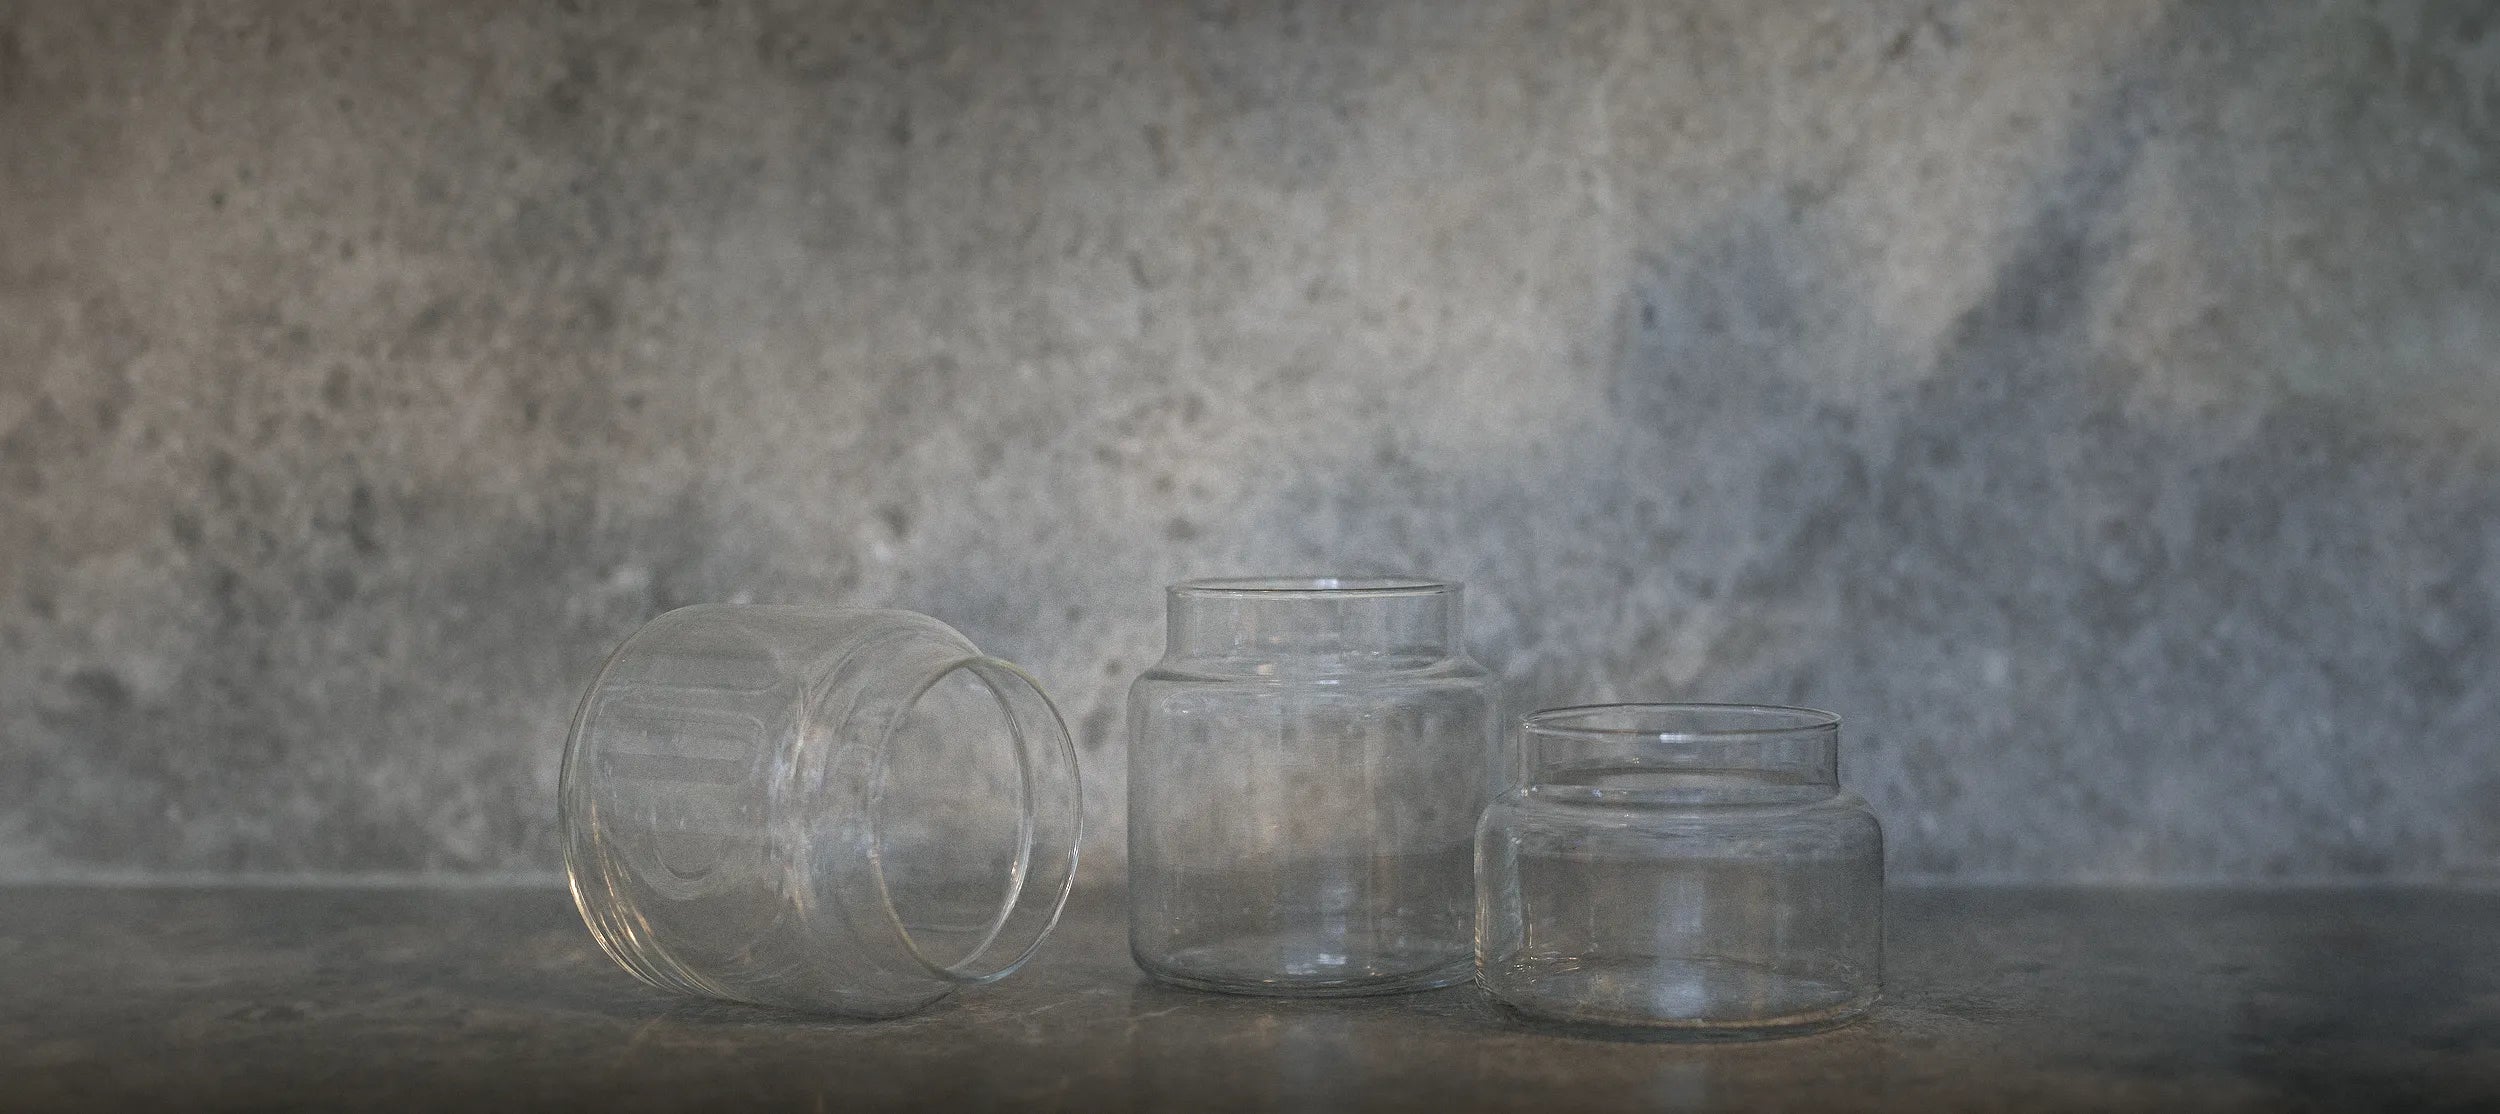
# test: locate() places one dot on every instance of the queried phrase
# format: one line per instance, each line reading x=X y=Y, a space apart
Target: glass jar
x=850 y=812
x=1306 y=765
x=1694 y=869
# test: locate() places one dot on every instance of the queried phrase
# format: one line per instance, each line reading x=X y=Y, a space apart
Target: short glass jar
x=850 y=812
x=1306 y=766
x=1691 y=869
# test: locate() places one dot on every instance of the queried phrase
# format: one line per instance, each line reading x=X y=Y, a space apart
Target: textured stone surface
x=2003 y=999
x=2094 y=402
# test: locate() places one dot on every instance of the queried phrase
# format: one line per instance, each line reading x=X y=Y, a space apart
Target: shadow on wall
x=2086 y=619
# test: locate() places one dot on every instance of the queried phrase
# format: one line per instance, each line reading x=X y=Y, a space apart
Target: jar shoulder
x=1842 y=813
x=1288 y=672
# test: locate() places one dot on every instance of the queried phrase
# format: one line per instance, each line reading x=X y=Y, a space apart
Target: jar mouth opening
x=1312 y=587
x=1050 y=811
x=1716 y=722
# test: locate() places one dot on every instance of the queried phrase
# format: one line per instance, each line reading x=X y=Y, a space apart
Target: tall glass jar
x=844 y=811
x=1694 y=869
x=1306 y=766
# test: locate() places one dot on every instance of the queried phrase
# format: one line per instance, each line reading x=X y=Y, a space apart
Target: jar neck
x=1314 y=619
x=1683 y=754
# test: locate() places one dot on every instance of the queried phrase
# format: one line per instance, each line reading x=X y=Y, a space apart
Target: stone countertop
x=1999 y=999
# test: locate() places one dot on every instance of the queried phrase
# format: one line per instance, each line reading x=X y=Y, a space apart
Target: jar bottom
x=1245 y=969
x=1683 y=999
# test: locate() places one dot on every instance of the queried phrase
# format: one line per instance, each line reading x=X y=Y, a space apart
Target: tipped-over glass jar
x=850 y=812
x=1306 y=766
x=1691 y=869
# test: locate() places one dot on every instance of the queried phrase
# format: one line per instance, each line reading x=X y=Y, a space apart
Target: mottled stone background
x=2096 y=402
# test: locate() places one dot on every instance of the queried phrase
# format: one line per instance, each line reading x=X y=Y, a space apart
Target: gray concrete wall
x=2097 y=403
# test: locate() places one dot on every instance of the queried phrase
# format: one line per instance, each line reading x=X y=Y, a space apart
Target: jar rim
x=1680 y=721
x=1314 y=587
x=1044 y=874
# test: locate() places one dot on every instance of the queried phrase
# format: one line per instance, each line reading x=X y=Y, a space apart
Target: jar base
x=1680 y=1000
x=1348 y=985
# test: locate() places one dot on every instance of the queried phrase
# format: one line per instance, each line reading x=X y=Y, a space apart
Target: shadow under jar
x=1306 y=766
x=1694 y=870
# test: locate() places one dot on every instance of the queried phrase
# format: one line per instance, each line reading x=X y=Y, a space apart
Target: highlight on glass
x=842 y=811
x=1693 y=870
x=1306 y=765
